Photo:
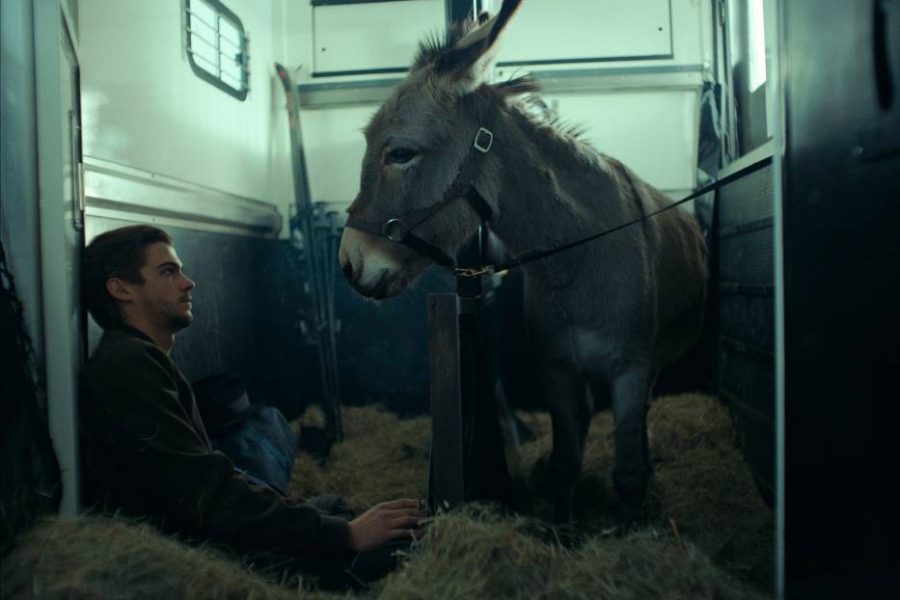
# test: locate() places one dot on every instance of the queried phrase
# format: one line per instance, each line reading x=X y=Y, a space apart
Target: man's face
x=164 y=298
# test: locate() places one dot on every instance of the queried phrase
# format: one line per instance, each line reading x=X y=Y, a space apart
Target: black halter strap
x=399 y=229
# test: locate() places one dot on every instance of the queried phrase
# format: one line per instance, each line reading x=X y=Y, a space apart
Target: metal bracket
x=483 y=146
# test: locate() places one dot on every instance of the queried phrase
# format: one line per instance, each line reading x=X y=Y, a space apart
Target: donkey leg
x=631 y=470
x=571 y=416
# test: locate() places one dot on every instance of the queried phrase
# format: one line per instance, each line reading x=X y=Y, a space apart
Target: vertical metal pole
x=777 y=79
x=304 y=223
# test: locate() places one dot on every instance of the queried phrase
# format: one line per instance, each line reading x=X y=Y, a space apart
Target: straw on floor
x=709 y=537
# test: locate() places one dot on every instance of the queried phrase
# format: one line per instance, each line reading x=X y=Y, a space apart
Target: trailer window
x=217 y=46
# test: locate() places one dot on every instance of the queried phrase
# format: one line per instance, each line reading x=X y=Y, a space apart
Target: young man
x=146 y=451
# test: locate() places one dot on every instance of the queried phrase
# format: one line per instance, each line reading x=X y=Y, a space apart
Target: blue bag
x=257 y=438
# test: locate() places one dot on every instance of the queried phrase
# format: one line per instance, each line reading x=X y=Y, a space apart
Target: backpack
x=257 y=438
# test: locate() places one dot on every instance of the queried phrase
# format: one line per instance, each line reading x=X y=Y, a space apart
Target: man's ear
x=119 y=289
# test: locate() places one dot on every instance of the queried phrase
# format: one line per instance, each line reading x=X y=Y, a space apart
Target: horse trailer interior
x=240 y=127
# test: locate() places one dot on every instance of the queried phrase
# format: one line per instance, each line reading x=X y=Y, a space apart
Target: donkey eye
x=399 y=156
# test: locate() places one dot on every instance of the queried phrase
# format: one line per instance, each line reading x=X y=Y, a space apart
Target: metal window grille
x=217 y=46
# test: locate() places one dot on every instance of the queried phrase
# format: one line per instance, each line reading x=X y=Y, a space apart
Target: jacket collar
x=133 y=331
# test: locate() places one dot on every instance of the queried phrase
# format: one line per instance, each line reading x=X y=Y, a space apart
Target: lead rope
x=534 y=255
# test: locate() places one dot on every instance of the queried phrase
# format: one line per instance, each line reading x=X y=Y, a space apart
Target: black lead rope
x=534 y=255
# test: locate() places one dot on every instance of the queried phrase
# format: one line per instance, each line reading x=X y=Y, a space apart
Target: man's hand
x=385 y=522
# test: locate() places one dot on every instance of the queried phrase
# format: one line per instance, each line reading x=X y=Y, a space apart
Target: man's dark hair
x=117 y=253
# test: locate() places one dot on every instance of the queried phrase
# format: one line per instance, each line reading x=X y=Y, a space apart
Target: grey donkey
x=606 y=315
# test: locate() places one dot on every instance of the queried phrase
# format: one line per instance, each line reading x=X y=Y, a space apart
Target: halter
x=399 y=229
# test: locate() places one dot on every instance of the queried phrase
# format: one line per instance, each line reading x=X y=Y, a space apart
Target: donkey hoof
x=632 y=519
x=567 y=535
x=542 y=477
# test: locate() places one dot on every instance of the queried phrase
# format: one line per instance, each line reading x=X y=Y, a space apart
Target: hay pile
x=703 y=491
x=710 y=534
x=478 y=554
x=114 y=559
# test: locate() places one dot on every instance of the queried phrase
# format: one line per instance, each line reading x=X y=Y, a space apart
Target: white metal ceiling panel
x=375 y=37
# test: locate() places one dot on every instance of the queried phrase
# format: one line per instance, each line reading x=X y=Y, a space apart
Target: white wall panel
x=611 y=29
x=653 y=132
x=334 y=145
x=588 y=29
x=144 y=108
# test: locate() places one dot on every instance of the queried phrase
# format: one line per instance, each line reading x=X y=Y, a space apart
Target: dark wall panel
x=745 y=324
x=745 y=255
x=749 y=317
x=841 y=216
x=383 y=346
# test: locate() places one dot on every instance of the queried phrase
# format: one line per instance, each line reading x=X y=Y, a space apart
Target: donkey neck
x=551 y=189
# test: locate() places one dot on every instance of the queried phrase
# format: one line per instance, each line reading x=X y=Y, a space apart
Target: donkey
x=447 y=151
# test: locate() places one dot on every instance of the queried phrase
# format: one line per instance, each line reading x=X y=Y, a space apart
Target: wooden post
x=468 y=459
x=446 y=477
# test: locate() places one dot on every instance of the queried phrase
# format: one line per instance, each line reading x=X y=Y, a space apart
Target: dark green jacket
x=146 y=453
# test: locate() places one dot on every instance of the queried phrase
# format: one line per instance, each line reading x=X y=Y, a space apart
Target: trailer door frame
x=61 y=226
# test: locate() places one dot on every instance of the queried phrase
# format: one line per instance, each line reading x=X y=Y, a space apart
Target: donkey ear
x=468 y=61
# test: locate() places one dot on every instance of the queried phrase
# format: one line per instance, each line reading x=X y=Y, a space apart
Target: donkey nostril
x=347 y=268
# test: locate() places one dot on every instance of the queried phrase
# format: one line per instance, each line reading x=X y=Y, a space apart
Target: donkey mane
x=436 y=43
x=520 y=93
x=531 y=105
x=558 y=137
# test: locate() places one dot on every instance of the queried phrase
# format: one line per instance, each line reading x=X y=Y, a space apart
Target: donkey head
x=415 y=144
